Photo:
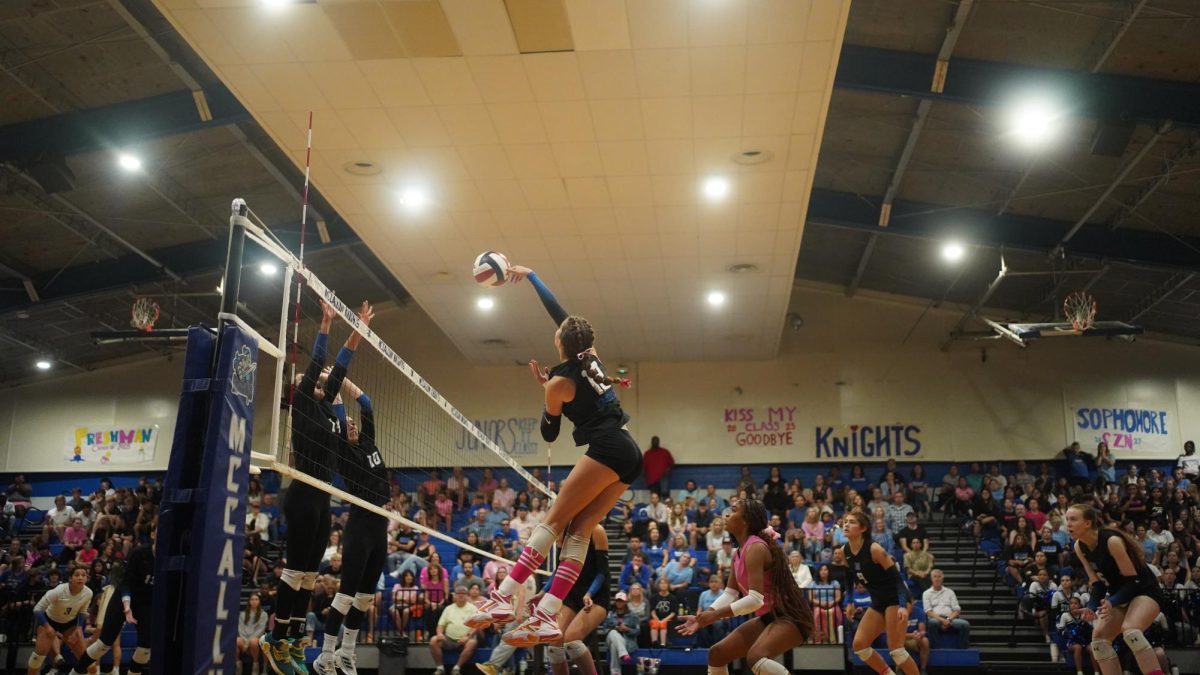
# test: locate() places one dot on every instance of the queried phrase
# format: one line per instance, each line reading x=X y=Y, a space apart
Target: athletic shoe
x=347 y=660
x=298 y=658
x=539 y=629
x=440 y=670
x=496 y=609
x=486 y=668
x=278 y=654
x=324 y=665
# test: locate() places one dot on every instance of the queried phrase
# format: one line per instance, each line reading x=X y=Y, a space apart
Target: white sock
x=718 y=670
x=550 y=604
x=349 y=638
x=508 y=587
x=329 y=644
x=766 y=666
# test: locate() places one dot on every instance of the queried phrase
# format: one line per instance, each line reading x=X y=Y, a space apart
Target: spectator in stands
x=877 y=501
x=897 y=512
x=716 y=502
x=801 y=572
x=890 y=484
x=677 y=522
x=635 y=571
x=746 y=482
x=335 y=545
x=715 y=632
x=857 y=602
x=912 y=531
x=701 y=523
x=663 y=607
x=918 y=563
x=678 y=573
x=258 y=522
x=1036 y=601
x=430 y=488
x=623 y=626
x=1189 y=463
x=1034 y=513
x=690 y=489
x=1021 y=527
x=406 y=595
x=73 y=537
x=458 y=486
x=825 y=596
x=1066 y=592
x=57 y=519
x=775 y=495
x=504 y=496
x=634 y=548
x=318 y=609
x=654 y=548
x=1148 y=545
x=658 y=512
x=523 y=524
x=252 y=624
x=435 y=582
x=986 y=512
x=942 y=609
x=453 y=634
x=332 y=567
x=964 y=497
x=975 y=479
x=918 y=490
x=1018 y=555
x=724 y=557
x=479 y=525
x=916 y=640
x=1077 y=465
x=466 y=568
x=715 y=537
x=488 y=484
x=883 y=537
x=814 y=534
x=657 y=464
x=1077 y=634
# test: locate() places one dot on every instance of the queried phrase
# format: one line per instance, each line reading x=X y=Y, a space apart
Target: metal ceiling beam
x=1165 y=174
x=118 y=125
x=853 y=211
x=1176 y=282
x=988 y=83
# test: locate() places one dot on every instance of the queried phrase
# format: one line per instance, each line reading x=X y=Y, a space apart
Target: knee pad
x=899 y=655
x=309 y=581
x=718 y=670
x=292 y=578
x=362 y=601
x=543 y=538
x=342 y=602
x=36 y=660
x=768 y=666
x=141 y=655
x=97 y=650
x=576 y=649
x=556 y=654
x=1102 y=650
x=575 y=547
x=864 y=653
x=1136 y=640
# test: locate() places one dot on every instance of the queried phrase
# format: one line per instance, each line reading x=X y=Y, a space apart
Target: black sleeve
x=309 y=382
x=368 y=424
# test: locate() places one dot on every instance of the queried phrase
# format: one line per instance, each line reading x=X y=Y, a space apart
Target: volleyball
x=491 y=268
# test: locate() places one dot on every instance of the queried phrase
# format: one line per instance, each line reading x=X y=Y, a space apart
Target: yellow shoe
x=486 y=668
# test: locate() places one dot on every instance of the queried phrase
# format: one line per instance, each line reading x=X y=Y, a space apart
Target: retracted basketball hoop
x=145 y=313
x=1080 y=309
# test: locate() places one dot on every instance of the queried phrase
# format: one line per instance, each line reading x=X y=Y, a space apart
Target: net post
x=231 y=282
x=282 y=345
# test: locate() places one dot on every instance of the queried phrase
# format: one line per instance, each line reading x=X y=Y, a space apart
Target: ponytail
x=577 y=338
x=787 y=600
x=1132 y=547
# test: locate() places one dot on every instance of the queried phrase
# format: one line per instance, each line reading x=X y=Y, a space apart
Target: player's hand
x=587 y=602
x=327 y=312
x=366 y=313
x=516 y=273
x=129 y=616
x=1105 y=608
x=1087 y=614
x=690 y=625
x=902 y=614
x=542 y=375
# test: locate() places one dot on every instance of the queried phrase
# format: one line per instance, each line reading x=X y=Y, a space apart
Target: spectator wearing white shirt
x=897 y=513
x=258 y=522
x=942 y=610
x=658 y=511
x=57 y=519
x=523 y=523
x=801 y=572
x=1066 y=591
x=1161 y=537
x=1189 y=461
x=458 y=486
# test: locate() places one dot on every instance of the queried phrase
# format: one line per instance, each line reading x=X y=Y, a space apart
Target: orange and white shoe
x=538 y=629
x=496 y=609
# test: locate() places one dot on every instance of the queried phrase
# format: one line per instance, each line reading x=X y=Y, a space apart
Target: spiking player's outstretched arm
x=519 y=272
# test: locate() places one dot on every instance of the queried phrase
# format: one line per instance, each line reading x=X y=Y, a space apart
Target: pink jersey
x=742 y=579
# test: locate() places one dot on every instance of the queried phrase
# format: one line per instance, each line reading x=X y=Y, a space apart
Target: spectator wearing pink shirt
x=814 y=534
x=445 y=510
x=429 y=489
x=458 y=485
x=504 y=496
x=487 y=486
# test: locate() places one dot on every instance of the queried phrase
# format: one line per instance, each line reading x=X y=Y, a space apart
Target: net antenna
x=1080 y=309
x=144 y=313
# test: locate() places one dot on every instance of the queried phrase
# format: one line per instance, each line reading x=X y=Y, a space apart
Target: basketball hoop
x=145 y=313
x=1080 y=309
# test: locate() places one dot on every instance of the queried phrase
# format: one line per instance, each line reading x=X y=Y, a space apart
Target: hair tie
x=771 y=531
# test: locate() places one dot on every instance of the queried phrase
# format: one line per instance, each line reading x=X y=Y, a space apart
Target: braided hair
x=577 y=339
x=789 y=601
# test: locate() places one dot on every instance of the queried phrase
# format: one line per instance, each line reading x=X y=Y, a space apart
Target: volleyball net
x=420 y=435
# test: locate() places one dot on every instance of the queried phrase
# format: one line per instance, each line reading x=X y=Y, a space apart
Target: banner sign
x=776 y=427
x=1148 y=429
x=514 y=435
x=113 y=445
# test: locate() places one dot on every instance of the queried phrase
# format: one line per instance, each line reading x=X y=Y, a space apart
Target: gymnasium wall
x=861 y=381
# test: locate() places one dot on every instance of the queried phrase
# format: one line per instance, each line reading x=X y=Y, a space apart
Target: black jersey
x=316 y=429
x=595 y=408
x=863 y=568
x=361 y=465
x=1103 y=563
x=137 y=575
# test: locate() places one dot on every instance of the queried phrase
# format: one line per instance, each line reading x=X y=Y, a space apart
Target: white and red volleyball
x=491 y=268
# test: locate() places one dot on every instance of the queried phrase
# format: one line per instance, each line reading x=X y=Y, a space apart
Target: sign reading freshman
x=113 y=445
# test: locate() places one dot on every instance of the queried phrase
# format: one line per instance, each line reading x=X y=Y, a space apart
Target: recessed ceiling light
x=953 y=251
x=716 y=187
x=716 y=298
x=43 y=364
x=128 y=162
x=1034 y=121
x=413 y=199
x=496 y=342
x=753 y=156
x=485 y=303
x=362 y=168
x=268 y=269
x=742 y=268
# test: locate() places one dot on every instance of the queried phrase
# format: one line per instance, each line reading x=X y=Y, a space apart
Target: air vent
x=753 y=156
x=496 y=342
x=742 y=268
x=362 y=168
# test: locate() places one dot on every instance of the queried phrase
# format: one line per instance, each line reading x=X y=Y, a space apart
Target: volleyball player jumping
x=875 y=568
x=579 y=388
x=763 y=585
x=316 y=435
x=364 y=551
x=130 y=601
x=1125 y=596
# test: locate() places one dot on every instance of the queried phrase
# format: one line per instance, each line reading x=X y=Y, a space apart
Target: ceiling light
x=43 y=364
x=268 y=269
x=275 y=4
x=128 y=162
x=1034 y=122
x=413 y=199
x=953 y=251
x=485 y=303
x=716 y=187
x=716 y=298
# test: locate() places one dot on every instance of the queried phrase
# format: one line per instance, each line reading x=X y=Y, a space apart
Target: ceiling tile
x=475 y=223
x=663 y=72
x=824 y=20
x=641 y=246
x=395 y=82
x=447 y=80
x=481 y=26
x=716 y=23
x=433 y=164
x=532 y=161
x=605 y=246
x=554 y=77
x=624 y=158
x=566 y=247
x=757 y=188
x=555 y=222
x=365 y=30
x=775 y=21
x=773 y=69
x=800 y=152
x=468 y=124
x=540 y=25
x=808 y=109
x=250 y=33
x=567 y=121
x=667 y=117
x=545 y=193
x=717 y=116
x=372 y=128
x=630 y=191
x=608 y=74
x=576 y=160
x=486 y=161
x=757 y=215
x=815 y=66
x=683 y=247
x=679 y=220
x=715 y=154
x=718 y=70
x=768 y=115
x=598 y=24
x=796 y=185
x=587 y=192
x=515 y=222
x=249 y=90
x=422 y=28
x=461 y=196
x=671 y=156
x=500 y=79
x=721 y=217
x=595 y=220
x=291 y=86
x=343 y=82
x=674 y=190
x=311 y=35
x=419 y=126
x=502 y=195
x=616 y=120
x=634 y=219
x=655 y=24
x=518 y=122
x=199 y=29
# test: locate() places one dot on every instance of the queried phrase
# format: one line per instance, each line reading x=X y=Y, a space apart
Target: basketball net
x=1080 y=309
x=145 y=312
